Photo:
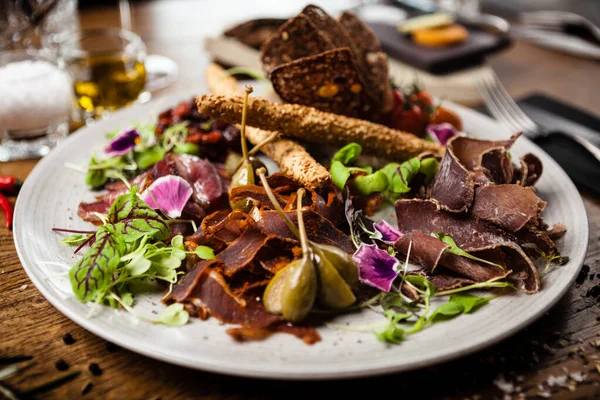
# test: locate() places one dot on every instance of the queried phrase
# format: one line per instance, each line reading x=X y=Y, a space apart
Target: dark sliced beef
x=256 y=194
x=469 y=234
x=318 y=228
x=86 y=211
x=498 y=165
x=531 y=169
x=202 y=176
x=242 y=251
x=430 y=252
x=425 y=250
x=508 y=206
x=445 y=280
x=469 y=151
x=453 y=186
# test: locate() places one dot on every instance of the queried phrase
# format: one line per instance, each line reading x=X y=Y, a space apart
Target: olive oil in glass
x=106 y=83
x=108 y=70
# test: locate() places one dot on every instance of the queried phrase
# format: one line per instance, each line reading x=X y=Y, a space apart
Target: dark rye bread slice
x=329 y=81
x=375 y=60
x=295 y=39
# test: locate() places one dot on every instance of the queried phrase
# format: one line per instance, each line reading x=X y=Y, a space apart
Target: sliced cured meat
x=318 y=228
x=430 y=252
x=498 y=165
x=242 y=251
x=202 y=176
x=508 y=206
x=470 y=235
x=453 y=186
x=469 y=151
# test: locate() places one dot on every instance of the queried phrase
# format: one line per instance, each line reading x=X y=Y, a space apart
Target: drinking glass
x=108 y=69
x=36 y=101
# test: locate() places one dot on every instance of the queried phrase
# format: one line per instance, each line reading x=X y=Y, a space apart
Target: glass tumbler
x=108 y=69
x=36 y=101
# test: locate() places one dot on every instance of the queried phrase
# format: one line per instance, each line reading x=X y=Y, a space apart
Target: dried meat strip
x=470 y=234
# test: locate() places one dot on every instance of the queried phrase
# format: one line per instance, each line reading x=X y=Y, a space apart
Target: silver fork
x=509 y=114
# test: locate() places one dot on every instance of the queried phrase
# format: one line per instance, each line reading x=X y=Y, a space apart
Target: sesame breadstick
x=291 y=157
x=312 y=125
x=220 y=82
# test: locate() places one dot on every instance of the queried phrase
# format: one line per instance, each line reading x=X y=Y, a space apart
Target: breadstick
x=220 y=82
x=293 y=160
x=312 y=125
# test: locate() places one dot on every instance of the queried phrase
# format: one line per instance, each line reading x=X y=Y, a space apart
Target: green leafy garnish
x=454 y=249
x=174 y=315
x=128 y=256
x=339 y=173
x=555 y=259
x=133 y=218
x=371 y=183
x=204 y=252
x=147 y=158
x=75 y=240
x=94 y=271
x=347 y=154
x=393 y=179
x=400 y=175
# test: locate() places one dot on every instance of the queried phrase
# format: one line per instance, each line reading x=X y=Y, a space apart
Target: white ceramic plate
x=52 y=192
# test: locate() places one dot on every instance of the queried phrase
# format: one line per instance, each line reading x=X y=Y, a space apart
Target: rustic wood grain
x=564 y=341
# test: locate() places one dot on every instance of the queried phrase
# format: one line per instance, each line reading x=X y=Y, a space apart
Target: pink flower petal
x=387 y=233
x=123 y=143
x=376 y=267
x=168 y=193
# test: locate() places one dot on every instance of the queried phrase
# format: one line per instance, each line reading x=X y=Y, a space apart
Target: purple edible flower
x=386 y=232
x=441 y=133
x=123 y=143
x=168 y=193
x=376 y=267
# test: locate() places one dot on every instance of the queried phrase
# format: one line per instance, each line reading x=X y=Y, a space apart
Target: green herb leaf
x=400 y=175
x=454 y=249
x=186 y=148
x=147 y=158
x=422 y=282
x=339 y=174
x=446 y=311
x=393 y=333
x=95 y=178
x=204 y=252
x=133 y=218
x=429 y=167
x=75 y=240
x=347 y=154
x=94 y=271
x=469 y=302
x=372 y=183
x=174 y=315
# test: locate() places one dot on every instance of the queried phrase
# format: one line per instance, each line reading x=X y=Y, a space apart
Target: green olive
x=244 y=176
x=231 y=163
x=334 y=292
x=299 y=289
x=342 y=261
x=272 y=294
x=256 y=163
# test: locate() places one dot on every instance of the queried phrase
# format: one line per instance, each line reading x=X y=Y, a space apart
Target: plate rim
x=231 y=368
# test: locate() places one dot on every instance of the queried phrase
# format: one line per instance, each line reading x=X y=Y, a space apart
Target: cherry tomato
x=412 y=120
x=421 y=98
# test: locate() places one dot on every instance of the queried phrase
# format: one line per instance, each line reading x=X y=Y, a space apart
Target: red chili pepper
x=8 y=210
x=10 y=185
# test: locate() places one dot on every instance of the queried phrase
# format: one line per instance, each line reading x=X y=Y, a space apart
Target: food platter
x=52 y=193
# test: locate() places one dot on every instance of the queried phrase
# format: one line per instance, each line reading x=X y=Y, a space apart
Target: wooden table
x=557 y=355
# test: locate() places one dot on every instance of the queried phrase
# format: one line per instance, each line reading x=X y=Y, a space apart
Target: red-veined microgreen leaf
x=133 y=218
x=94 y=271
